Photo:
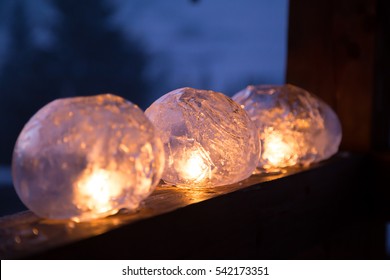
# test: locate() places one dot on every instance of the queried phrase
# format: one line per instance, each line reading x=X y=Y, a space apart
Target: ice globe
x=294 y=126
x=82 y=158
x=209 y=140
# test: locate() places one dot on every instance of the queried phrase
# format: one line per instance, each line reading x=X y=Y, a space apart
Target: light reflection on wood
x=24 y=233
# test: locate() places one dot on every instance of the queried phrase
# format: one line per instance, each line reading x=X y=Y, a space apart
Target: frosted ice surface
x=86 y=157
x=208 y=138
x=295 y=127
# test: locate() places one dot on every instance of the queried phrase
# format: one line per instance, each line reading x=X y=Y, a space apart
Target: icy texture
x=295 y=127
x=86 y=157
x=208 y=138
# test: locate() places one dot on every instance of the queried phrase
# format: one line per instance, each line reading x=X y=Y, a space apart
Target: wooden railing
x=297 y=214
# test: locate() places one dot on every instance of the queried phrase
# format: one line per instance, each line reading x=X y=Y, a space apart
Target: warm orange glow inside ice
x=279 y=151
x=194 y=168
x=97 y=189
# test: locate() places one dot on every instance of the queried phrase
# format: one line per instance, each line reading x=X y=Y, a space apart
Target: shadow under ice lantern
x=208 y=138
x=294 y=126
x=86 y=157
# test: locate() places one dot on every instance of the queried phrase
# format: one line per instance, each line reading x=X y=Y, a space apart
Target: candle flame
x=194 y=168
x=97 y=189
x=279 y=151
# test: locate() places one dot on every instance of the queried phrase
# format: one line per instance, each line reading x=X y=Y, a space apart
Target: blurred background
x=137 y=49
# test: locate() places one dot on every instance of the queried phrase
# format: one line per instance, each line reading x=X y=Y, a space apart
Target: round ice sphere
x=86 y=157
x=208 y=138
x=295 y=127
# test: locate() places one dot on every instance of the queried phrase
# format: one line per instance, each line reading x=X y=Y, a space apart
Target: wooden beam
x=331 y=52
x=282 y=216
x=381 y=118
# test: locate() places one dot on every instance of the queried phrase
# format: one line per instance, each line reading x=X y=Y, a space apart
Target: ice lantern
x=209 y=139
x=294 y=126
x=86 y=157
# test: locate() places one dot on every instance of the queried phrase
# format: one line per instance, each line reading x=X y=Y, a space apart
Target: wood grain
x=272 y=217
x=331 y=52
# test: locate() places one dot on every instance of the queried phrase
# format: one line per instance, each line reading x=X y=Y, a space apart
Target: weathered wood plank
x=277 y=216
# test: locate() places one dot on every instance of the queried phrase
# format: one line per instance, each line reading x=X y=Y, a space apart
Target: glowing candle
x=278 y=152
x=294 y=126
x=86 y=157
x=208 y=138
x=96 y=190
x=194 y=168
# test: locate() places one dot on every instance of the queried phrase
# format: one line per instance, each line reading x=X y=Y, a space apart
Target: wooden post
x=381 y=117
x=331 y=52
